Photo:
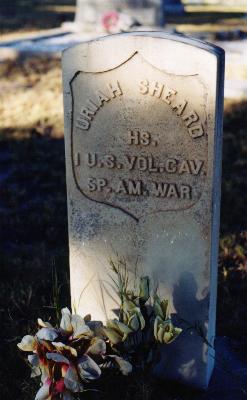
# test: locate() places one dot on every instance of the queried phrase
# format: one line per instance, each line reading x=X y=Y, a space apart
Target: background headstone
x=88 y=15
x=89 y=12
x=143 y=122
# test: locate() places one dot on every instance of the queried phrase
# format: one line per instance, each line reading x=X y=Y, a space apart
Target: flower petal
x=134 y=322
x=164 y=306
x=59 y=358
x=45 y=373
x=96 y=327
x=60 y=347
x=79 y=326
x=88 y=369
x=167 y=337
x=119 y=326
x=155 y=327
x=175 y=333
x=49 y=334
x=124 y=366
x=71 y=381
x=65 y=310
x=43 y=393
x=144 y=288
x=87 y=318
x=113 y=335
x=34 y=360
x=35 y=372
x=65 y=323
x=97 y=346
x=28 y=343
x=161 y=334
x=59 y=386
x=44 y=324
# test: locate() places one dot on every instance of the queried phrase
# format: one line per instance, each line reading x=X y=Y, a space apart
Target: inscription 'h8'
x=139 y=138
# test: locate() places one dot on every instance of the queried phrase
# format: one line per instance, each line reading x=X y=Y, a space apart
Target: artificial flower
x=164 y=331
x=132 y=316
x=116 y=331
x=160 y=307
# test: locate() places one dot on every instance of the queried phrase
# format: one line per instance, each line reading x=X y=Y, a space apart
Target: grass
x=34 y=237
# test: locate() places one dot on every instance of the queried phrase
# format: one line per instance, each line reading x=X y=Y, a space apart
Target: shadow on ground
x=33 y=245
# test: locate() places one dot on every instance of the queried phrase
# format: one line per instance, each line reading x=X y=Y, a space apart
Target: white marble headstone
x=143 y=132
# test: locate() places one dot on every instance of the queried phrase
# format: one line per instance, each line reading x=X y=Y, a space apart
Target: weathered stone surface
x=143 y=115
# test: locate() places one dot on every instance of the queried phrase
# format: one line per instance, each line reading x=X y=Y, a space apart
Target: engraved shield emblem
x=139 y=138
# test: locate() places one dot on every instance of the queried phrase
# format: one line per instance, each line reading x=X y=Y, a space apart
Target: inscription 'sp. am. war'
x=139 y=188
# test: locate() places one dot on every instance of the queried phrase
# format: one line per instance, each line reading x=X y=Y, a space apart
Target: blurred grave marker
x=143 y=131
x=89 y=12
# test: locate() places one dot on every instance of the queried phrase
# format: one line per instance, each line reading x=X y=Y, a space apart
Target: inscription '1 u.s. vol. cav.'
x=138 y=143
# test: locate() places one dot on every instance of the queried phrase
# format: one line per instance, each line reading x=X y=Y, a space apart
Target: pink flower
x=110 y=20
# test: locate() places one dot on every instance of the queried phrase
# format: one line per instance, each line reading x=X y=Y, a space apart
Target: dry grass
x=31 y=97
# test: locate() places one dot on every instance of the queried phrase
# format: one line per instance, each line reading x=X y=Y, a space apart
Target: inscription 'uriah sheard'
x=160 y=90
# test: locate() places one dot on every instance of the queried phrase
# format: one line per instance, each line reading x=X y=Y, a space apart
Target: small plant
x=143 y=323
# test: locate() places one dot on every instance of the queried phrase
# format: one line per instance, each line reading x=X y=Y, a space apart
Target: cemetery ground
x=34 y=240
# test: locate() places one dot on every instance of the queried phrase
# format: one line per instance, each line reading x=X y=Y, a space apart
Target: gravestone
x=143 y=131
x=89 y=12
